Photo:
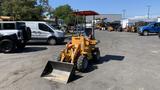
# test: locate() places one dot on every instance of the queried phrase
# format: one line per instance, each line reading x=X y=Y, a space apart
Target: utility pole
x=124 y=13
x=148 y=13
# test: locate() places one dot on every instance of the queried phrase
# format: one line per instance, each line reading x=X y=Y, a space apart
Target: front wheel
x=52 y=41
x=7 y=46
x=82 y=63
x=145 y=33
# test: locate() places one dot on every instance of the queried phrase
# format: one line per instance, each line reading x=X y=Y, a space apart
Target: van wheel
x=51 y=41
x=145 y=33
x=7 y=46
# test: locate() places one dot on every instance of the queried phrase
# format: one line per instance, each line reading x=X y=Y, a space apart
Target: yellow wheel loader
x=75 y=56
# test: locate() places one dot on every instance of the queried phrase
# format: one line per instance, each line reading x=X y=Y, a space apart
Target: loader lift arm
x=74 y=56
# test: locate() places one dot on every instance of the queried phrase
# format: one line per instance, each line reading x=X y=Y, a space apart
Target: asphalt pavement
x=128 y=62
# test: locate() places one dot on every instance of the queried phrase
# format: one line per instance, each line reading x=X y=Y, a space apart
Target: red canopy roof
x=86 y=13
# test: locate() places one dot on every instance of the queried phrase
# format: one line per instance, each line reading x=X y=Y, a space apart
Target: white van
x=41 y=31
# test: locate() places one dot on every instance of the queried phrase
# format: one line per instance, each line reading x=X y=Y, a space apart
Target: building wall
x=128 y=21
x=158 y=19
x=110 y=17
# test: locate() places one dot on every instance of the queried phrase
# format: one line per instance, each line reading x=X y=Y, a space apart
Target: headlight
x=139 y=29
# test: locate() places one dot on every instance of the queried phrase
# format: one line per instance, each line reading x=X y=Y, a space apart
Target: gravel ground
x=128 y=62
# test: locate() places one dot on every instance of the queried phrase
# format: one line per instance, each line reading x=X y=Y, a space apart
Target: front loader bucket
x=58 y=72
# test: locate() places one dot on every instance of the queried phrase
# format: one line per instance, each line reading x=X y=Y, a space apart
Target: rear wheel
x=29 y=33
x=145 y=33
x=52 y=41
x=7 y=46
x=96 y=54
x=82 y=63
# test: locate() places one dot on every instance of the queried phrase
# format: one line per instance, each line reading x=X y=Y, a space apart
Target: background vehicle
x=43 y=32
x=150 y=28
x=13 y=35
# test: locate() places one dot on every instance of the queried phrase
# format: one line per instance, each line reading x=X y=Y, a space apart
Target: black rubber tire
x=82 y=63
x=96 y=54
x=7 y=46
x=52 y=41
x=26 y=34
x=29 y=33
x=145 y=33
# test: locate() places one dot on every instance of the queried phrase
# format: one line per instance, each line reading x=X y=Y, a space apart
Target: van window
x=44 y=27
x=8 y=26
x=21 y=25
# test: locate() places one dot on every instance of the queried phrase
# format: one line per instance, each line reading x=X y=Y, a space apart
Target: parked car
x=13 y=35
x=150 y=28
x=43 y=32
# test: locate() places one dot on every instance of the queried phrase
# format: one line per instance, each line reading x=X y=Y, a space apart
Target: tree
x=65 y=12
x=43 y=2
x=45 y=5
x=22 y=9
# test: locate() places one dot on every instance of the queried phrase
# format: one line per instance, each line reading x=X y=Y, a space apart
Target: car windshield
x=55 y=27
x=150 y=24
x=51 y=26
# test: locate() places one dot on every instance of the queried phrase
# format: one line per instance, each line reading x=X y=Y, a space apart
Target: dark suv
x=13 y=35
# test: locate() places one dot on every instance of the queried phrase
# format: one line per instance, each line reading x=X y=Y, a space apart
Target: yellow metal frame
x=80 y=45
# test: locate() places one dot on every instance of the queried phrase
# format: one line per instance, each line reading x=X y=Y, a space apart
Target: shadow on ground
x=104 y=59
x=31 y=49
x=153 y=34
x=42 y=44
x=107 y=58
x=93 y=65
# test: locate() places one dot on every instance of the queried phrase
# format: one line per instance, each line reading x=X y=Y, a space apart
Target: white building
x=109 y=17
x=132 y=21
